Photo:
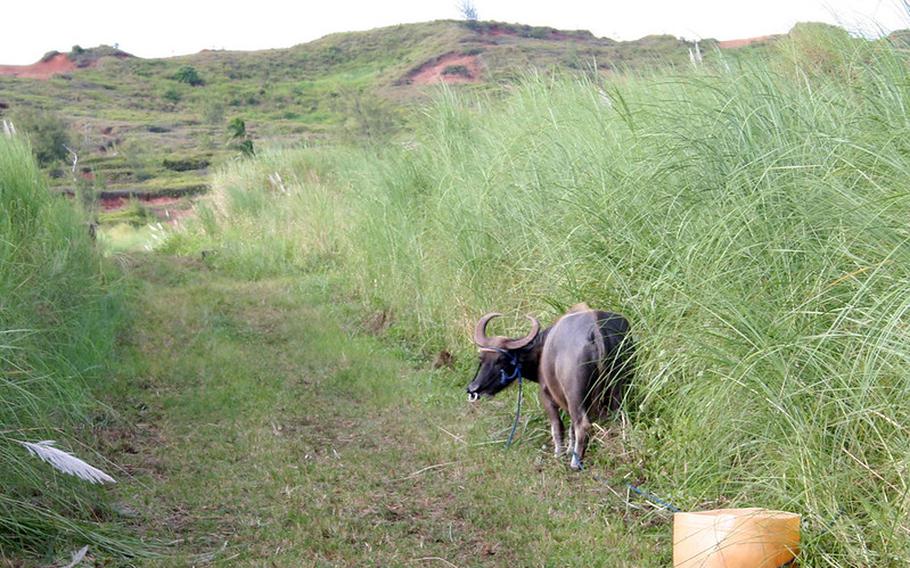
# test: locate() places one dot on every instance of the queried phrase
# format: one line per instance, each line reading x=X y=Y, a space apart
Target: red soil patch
x=433 y=71
x=112 y=203
x=730 y=43
x=166 y=209
x=57 y=64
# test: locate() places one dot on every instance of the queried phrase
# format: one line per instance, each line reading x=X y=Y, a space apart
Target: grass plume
x=65 y=462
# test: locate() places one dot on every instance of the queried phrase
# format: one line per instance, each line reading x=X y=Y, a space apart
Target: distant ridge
x=55 y=62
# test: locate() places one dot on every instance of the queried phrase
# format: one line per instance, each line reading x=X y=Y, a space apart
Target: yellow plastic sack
x=735 y=538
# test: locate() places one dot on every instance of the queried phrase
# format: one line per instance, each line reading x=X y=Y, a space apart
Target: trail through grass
x=748 y=218
x=269 y=429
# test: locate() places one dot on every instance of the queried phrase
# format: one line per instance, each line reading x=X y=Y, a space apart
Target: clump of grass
x=133 y=213
x=58 y=317
x=459 y=70
x=749 y=218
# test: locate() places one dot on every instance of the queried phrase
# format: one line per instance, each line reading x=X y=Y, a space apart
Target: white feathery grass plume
x=75 y=156
x=9 y=128
x=77 y=557
x=66 y=463
x=695 y=56
x=278 y=183
x=157 y=236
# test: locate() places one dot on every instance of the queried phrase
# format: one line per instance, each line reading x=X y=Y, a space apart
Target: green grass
x=133 y=213
x=347 y=86
x=60 y=310
x=748 y=217
x=264 y=425
x=119 y=237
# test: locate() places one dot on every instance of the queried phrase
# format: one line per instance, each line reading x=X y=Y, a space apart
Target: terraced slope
x=139 y=130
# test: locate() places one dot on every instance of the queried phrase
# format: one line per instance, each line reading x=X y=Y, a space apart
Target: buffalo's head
x=499 y=358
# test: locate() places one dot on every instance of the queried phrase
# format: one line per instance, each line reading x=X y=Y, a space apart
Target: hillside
x=129 y=114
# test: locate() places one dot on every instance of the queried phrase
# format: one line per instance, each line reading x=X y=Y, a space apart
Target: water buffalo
x=583 y=363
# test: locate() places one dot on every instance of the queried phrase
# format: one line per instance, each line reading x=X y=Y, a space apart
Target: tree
x=236 y=128
x=467 y=10
x=237 y=135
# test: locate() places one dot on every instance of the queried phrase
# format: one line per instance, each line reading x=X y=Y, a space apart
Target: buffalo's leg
x=581 y=426
x=556 y=425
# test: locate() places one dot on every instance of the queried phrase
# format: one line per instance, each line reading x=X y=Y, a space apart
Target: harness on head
x=505 y=379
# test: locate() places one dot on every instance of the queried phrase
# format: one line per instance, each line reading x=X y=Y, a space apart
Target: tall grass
x=751 y=219
x=58 y=318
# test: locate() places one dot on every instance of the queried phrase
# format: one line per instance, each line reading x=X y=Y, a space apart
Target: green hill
x=132 y=119
x=153 y=128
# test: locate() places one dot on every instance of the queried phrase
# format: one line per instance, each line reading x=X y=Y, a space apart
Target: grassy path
x=264 y=428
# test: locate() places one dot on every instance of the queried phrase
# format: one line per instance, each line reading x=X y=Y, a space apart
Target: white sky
x=160 y=28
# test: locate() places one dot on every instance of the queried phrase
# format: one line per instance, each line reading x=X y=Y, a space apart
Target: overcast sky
x=163 y=28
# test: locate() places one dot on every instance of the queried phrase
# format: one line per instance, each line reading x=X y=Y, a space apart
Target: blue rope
x=653 y=498
x=505 y=380
x=517 y=414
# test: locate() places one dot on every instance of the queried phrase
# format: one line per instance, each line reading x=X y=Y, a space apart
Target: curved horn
x=480 y=332
x=519 y=343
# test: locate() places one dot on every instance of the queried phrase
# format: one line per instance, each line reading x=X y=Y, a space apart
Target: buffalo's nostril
x=473 y=396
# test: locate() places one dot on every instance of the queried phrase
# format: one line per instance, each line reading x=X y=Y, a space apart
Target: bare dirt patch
x=46 y=69
x=450 y=67
x=166 y=209
x=114 y=203
x=732 y=43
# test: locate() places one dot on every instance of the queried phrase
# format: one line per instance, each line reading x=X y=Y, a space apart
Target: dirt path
x=265 y=429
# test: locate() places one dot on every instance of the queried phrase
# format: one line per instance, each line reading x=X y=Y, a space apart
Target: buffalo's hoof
x=576 y=462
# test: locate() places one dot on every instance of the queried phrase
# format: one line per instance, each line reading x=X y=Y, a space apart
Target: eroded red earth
x=55 y=65
x=434 y=71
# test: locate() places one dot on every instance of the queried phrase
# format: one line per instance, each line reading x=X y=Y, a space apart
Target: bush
x=48 y=134
x=171 y=95
x=185 y=164
x=459 y=70
x=188 y=74
x=239 y=137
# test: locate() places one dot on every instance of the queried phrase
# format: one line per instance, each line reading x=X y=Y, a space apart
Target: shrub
x=185 y=164
x=172 y=95
x=48 y=134
x=188 y=74
x=239 y=137
x=459 y=70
